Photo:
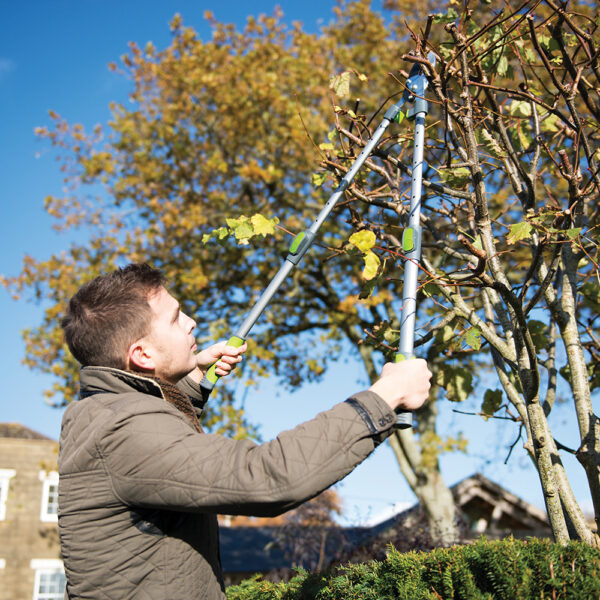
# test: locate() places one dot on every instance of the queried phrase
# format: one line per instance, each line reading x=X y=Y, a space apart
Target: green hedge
x=507 y=569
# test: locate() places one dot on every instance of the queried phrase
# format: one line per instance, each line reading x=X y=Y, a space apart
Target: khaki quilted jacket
x=140 y=488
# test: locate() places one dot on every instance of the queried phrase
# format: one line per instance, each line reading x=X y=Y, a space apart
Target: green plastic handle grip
x=211 y=377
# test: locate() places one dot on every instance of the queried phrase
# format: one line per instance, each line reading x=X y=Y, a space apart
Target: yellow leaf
x=364 y=240
x=340 y=84
x=372 y=263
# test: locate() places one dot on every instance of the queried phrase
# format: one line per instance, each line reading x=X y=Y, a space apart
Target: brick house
x=30 y=564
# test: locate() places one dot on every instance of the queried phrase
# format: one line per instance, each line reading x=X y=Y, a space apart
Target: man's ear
x=140 y=356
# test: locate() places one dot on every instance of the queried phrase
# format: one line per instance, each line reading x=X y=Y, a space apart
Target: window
x=5 y=476
x=49 y=579
x=49 y=510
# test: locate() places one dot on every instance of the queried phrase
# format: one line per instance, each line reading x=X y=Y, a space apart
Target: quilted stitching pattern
x=128 y=450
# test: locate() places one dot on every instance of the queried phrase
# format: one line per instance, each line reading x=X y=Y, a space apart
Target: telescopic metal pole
x=303 y=241
x=411 y=238
x=301 y=244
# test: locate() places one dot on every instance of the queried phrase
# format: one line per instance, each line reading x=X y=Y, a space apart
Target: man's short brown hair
x=109 y=313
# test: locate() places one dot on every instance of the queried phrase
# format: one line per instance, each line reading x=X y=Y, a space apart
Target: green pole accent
x=296 y=242
x=399 y=357
x=408 y=239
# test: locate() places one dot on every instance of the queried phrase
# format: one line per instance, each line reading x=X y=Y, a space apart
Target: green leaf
x=326 y=146
x=548 y=43
x=550 y=124
x=520 y=108
x=368 y=288
x=473 y=338
x=492 y=145
x=456 y=178
x=233 y=223
x=539 y=333
x=430 y=290
x=573 y=232
x=340 y=84
x=492 y=400
x=218 y=234
x=244 y=231
x=221 y=233
x=445 y=334
x=318 y=179
x=594 y=371
x=591 y=295
x=458 y=383
x=447 y=17
x=502 y=67
x=566 y=373
x=529 y=55
x=372 y=263
x=364 y=240
x=519 y=231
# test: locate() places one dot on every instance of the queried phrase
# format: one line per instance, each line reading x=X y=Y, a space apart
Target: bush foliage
x=486 y=570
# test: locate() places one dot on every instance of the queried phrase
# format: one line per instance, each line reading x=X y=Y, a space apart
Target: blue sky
x=54 y=55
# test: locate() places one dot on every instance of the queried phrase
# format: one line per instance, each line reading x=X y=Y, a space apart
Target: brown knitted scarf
x=179 y=400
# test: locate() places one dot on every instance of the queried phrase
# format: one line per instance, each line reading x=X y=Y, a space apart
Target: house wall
x=24 y=537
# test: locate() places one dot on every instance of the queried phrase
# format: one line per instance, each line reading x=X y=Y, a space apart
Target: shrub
x=507 y=569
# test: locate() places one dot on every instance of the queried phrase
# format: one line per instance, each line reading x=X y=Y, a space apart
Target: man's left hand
x=224 y=357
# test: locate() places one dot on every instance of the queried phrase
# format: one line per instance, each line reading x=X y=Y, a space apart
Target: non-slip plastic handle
x=211 y=377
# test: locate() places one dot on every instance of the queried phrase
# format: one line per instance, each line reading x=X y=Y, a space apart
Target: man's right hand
x=404 y=385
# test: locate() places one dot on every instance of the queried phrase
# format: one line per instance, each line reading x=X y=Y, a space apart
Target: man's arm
x=156 y=460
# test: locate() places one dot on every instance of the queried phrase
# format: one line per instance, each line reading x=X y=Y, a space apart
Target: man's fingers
x=229 y=359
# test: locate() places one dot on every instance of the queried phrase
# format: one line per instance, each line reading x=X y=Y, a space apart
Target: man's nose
x=191 y=323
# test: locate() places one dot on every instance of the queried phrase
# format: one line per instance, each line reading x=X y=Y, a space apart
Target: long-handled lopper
x=411 y=241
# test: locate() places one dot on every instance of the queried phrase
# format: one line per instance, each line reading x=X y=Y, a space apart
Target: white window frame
x=46 y=566
x=48 y=480
x=5 y=476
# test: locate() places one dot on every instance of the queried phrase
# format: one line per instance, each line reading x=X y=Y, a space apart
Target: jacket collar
x=96 y=380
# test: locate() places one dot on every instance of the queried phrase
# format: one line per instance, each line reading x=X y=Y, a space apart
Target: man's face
x=171 y=342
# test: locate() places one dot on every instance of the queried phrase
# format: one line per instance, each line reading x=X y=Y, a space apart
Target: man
x=141 y=484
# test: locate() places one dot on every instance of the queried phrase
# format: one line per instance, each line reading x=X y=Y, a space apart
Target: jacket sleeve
x=154 y=458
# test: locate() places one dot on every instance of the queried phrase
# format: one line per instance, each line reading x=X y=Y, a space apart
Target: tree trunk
x=423 y=476
x=427 y=484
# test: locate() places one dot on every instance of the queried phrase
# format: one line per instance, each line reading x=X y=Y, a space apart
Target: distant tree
x=214 y=165
x=310 y=535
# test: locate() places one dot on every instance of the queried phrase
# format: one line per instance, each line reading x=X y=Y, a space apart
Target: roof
x=16 y=430
x=263 y=549
x=251 y=549
x=477 y=489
